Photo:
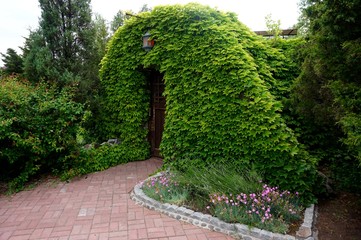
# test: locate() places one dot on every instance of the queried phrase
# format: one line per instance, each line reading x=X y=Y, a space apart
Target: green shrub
x=326 y=97
x=99 y=159
x=38 y=127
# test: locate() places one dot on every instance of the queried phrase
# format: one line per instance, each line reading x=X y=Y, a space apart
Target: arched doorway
x=156 y=112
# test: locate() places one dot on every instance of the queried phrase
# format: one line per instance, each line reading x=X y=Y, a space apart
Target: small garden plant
x=270 y=209
x=260 y=205
x=164 y=188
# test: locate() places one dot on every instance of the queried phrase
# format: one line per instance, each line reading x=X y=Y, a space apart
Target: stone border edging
x=239 y=231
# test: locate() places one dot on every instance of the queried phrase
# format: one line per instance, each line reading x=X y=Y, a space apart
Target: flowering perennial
x=165 y=189
x=269 y=207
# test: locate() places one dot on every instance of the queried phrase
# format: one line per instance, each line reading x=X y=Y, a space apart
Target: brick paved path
x=93 y=207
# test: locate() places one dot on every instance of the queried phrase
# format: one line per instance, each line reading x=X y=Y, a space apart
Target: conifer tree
x=328 y=91
x=12 y=62
x=66 y=26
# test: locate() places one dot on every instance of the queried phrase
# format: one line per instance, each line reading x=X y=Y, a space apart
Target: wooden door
x=157 y=112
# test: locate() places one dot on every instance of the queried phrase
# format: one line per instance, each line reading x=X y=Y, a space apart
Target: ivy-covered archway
x=219 y=87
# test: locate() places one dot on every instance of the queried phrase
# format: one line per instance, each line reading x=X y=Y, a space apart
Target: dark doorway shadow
x=156 y=111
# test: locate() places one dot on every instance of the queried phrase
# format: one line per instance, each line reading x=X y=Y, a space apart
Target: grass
x=228 y=195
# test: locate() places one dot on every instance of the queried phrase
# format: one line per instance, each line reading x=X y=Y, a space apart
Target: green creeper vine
x=220 y=82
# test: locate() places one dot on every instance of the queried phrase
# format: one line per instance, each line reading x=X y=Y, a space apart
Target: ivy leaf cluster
x=222 y=94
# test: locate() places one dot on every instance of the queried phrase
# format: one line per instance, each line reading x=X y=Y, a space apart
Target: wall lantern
x=147 y=43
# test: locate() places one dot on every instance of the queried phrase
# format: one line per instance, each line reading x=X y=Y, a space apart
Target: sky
x=17 y=17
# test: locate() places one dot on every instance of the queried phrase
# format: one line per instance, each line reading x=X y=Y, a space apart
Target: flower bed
x=239 y=231
x=270 y=208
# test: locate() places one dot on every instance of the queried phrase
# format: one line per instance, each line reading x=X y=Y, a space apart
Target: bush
x=38 y=126
x=104 y=157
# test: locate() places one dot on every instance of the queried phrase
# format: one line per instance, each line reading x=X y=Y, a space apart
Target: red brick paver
x=96 y=206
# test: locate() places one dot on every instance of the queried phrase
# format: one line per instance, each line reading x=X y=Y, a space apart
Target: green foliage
x=334 y=59
x=98 y=159
x=220 y=179
x=145 y=8
x=101 y=36
x=325 y=99
x=66 y=50
x=2 y=73
x=219 y=85
x=64 y=47
x=121 y=16
x=303 y=23
x=37 y=129
x=166 y=189
x=38 y=59
x=283 y=60
x=66 y=28
x=13 y=62
x=118 y=20
x=345 y=171
x=273 y=27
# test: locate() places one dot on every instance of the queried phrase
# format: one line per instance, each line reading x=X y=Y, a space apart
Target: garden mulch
x=339 y=217
x=96 y=206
